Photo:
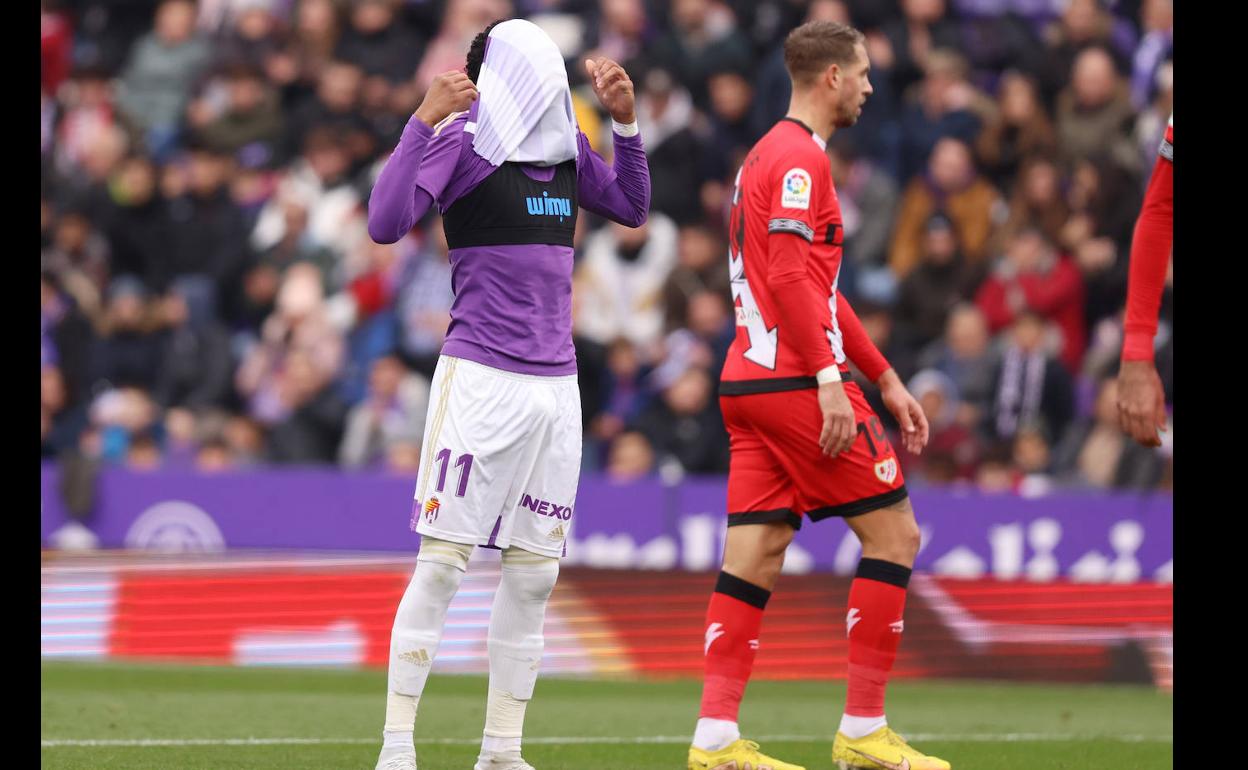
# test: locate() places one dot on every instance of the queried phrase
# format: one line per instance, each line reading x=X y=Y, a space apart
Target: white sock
x=860 y=727
x=714 y=734
x=494 y=745
x=417 y=630
x=515 y=644
x=397 y=741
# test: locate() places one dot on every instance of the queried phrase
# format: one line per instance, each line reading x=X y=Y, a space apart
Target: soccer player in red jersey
x=804 y=441
x=1141 y=399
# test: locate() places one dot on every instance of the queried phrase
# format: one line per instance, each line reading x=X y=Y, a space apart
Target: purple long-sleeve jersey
x=513 y=303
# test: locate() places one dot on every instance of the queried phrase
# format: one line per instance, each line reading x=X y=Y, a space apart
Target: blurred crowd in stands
x=210 y=298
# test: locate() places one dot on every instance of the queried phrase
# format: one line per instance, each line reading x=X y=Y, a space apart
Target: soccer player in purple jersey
x=497 y=148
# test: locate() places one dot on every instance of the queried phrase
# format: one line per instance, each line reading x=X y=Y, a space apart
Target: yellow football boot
x=738 y=755
x=881 y=750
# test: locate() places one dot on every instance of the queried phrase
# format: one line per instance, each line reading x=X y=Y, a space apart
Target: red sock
x=733 y=620
x=876 y=600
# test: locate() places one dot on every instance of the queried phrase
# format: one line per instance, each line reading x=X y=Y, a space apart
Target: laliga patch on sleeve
x=795 y=189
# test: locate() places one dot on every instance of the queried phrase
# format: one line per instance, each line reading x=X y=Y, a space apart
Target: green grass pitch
x=108 y=715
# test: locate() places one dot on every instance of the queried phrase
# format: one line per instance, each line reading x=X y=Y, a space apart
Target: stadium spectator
x=136 y=222
x=1155 y=47
x=623 y=33
x=127 y=353
x=299 y=324
x=143 y=453
x=1033 y=277
x=700 y=266
x=1030 y=382
x=60 y=421
x=1095 y=451
x=1036 y=201
x=951 y=185
x=66 y=337
x=926 y=297
x=1103 y=204
x=250 y=33
x=213 y=456
x=966 y=355
x=943 y=104
x=703 y=39
x=868 y=198
x=631 y=458
x=1083 y=24
x=196 y=363
x=922 y=29
x=163 y=66
x=1032 y=455
x=311 y=427
x=424 y=298
x=319 y=183
x=87 y=110
x=244 y=439
x=729 y=134
x=1094 y=112
x=620 y=279
x=333 y=105
x=250 y=120
x=953 y=449
x=684 y=423
x=665 y=113
x=181 y=438
x=1019 y=130
x=297 y=68
x=379 y=42
x=208 y=234
x=461 y=21
x=79 y=258
x=392 y=413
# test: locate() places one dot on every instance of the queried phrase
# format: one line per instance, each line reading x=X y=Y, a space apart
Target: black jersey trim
x=771 y=385
x=859 y=507
x=786 y=515
x=805 y=127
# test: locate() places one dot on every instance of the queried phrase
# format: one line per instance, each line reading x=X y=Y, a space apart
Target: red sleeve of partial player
x=798 y=305
x=858 y=345
x=1150 y=255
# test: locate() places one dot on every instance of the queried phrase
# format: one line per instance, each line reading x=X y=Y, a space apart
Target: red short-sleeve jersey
x=783 y=187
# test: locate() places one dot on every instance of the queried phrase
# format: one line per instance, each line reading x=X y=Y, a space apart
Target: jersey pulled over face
x=784 y=187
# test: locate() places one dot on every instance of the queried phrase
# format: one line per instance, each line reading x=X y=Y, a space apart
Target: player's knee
x=902 y=544
x=530 y=576
x=445 y=552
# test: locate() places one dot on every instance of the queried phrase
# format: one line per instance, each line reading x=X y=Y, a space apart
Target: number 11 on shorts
x=464 y=464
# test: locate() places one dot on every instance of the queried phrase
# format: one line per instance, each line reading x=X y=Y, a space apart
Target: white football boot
x=507 y=760
x=399 y=758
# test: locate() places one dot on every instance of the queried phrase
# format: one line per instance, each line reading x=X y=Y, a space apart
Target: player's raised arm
x=620 y=192
x=1141 y=398
x=871 y=362
x=398 y=201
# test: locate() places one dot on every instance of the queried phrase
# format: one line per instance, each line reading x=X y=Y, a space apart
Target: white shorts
x=501 y=458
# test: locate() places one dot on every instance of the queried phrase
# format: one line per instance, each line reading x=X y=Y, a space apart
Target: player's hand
x=1141 y=402
x=449 y=92
x=839 y=431
x=910 y=416
x=613 y=88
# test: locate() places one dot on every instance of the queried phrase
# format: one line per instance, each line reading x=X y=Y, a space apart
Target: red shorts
x=778 y=473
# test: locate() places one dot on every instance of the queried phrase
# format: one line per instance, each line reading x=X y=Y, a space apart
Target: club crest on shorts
x=432 y=506
x=886 y=470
